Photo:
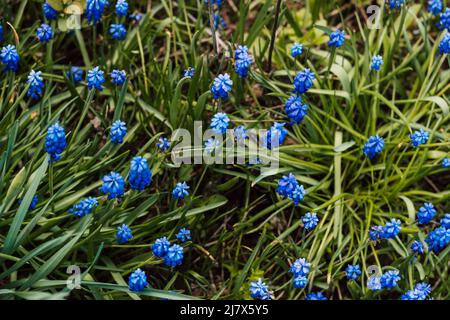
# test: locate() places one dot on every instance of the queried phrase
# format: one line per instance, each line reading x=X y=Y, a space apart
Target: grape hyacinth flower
x=295 y=109
x=373 y=146
x=296 y=50
x=391 y=229
x=140 y=175
x=95 y=78
x=136 y=16
x=221 y=86
x=137 y=280
x=353 y=272
x=118 y=31
x=316 y=296
x=374 y=283
x=419 y=137
x=95 y=9
x=44 y=33
x=174 y=256
x=375 y=233
x=446 y=163
x=240 y=133
x=300 y=267
x=180 y=191
x=123 y=234
x=10 y=58
x=444 y=22
x=298 y=194
x=33 y=203
x=220 y=122
x=337 y=39
x=184 y=235
x=243 y=60
x=118 y=131
x=444 y=45
x=75 y=73
x=310 y=220
x=84 y=207
x=396 y=4
x=55 y=141
x=276 y=131
x=113 y=185
x=300 y=281
x=161 y=247
x=122 y=8
x=303 y=81
x=435 y=7
x=377 y=62
x=420 y=292
x=438 y=239
x=389 y=279
x=49 y=12
x=211 y=145
x=163 y=144
x=36 y=85
x=118 y=77
x=426 y=213
x=259 y=290
x=189 y=72
x=286 y=185
x=417 y=247
x=219 y=22
x=445 y=221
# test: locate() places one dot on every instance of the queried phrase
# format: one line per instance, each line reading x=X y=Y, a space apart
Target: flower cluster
x=84 y=207
x=140 y=175
x=300 y=269
x=396 y=4
x=180 y=191
x=36 y=85
x=389 y=279
x=444 y=22
x=49 y=12
x=316 y=296
x=303 y=81
x=95 y=9
x=389 y=231
x=75 y=73
x=137 y=280
x=421 y=291
x=10 y=58
x=118 y=31
x=426 y=213
x=275 y=136
x=296 y=50
x=95 y=78
x=373 y=146
x=220 y=122
x=242 y=61
x=446 y=163
x=55 y=141
x=184 y=235
x=417 y=247
x=419 y=137
x=337 y=39
x=118 y=131
x=444 y=45
x=221 y=86
x=377 y=62
x=288 y=187
x=445 y=221
x=189 y=72
x=33 y=203
x=353 y=271
x=113 y=185
x=310 y=220
x=122 y=8
x=163 y=144
x=438 y=239
x=123 y=234
x=435 y=7
x=172 y=255
x=44 y=33
x=118 y=77
x=259 y=290
x=295 y=109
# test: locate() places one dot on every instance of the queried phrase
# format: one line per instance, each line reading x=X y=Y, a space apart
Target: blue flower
x=123 y=233
x=113 y=185
x=243 y=60
x=310 y=220
x=55 y=141
x=444 y=22
x=34 y=202
x=221 y=86
x=122 y=8
x=2 y=35
x=391 y=229
x=295 y=109
x=259 y=290
x=300 y=267
x=95 y=9
x=444 y=45
x=298 y=194
x=220 y=122
x=10 y=58
x=36 y=85
x=316 y=296
x=75 y=73
x=296 y=50
x=84 y=207
x=118 y=131
x=438 y=239
x=287 y=185
x=353 y=272
x=417 y=247
x=446 y=163
x=419 y=137
x=211 y=145
x=240 y=133
x=276 y=131
x=161 y=247
x=184 y=235
x=44 y=33
x=189 y=72
x=445 y=221
x=219 y=22
x=163 y=144
x=180 y=191
x=435 y=7
x=337 y=39
x=95 y=79
x=423 y=287
x=174 y=256
x=420 y=292
x=241 y=52
x=49 y=12
x=373 y=146
x=137 y=16
x=118 y=77
x=137 y=280
x=303 y=81
x=377 y=62
x=374 y=283
x=118 y=31
x=389 y=279
x=140 y=175
x=300 y=281
x=426 y=213
x=396 y=4
x=375 y=233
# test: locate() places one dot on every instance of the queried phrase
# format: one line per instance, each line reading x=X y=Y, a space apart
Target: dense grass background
x=241 y=229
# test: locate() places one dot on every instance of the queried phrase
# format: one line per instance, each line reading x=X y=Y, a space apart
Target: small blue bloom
x=10 y=58
x=296 y=50
x=241 y=52
x=316 y=296
x=417 y=247
x=221 y=86
x=84 y=207
x=44 y=33
x=300 y=281
x=426 y=213
x=75 y=73
x=446 y=163
x=189 y=72
x=337 y=39
x=303 y=81
x=444 y=45
x=353 y=272
x=49 y=12
x=373 y=146
x=438 y=239
x=36 y=85
x=219 y=22
x=310 y=220
x=211 y=145
x=161 y=247
x=118 y=31
x=377 y=62
x=445 y=221
x=444 y=22
x=259 y=290
x=396 y=4
x=220 y=122
x=137 y=280
x=140 y=175
x=95 y=9
x=118 y=131
x=174 y=256
x=55 y=141
x=122 y=8
x=391 y=229
x=123 y=233
x=184 y=235
x=240 y=133
x=243 y=60
x=300 y=267
x=374 y=283
x=118 y=77
x=423 y=287
x=287 y=185
x=34 y=202
x=137 y=16
x=276 y=131
x=435 y=7
x=419 y=137
x=163 y=144
x=389 y=279
x=95 y=78
x=113 y=185
x=375 y=233
x=180 y=191
x=295 y=109
x=298 y=194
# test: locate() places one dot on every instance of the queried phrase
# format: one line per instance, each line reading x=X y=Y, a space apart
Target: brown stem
x=274 y=32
